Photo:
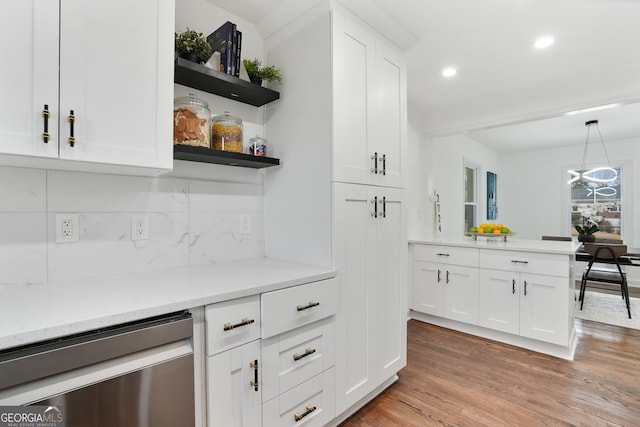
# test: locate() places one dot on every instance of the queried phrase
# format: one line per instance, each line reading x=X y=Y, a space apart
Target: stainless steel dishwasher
x=138 y=374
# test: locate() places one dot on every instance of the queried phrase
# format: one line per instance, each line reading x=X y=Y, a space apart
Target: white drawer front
x=291 y=358
x=529 y=262
x=309 y=404
x=290 y=308
x=446 y=254
x=232 y=323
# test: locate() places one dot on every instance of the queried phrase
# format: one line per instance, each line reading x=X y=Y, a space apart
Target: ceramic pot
x=586 y=238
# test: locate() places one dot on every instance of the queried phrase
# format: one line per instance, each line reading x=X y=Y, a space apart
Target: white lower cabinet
x=530 y=305
x=234 y=378
x=445 y=282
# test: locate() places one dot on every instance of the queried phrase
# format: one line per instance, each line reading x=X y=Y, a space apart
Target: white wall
x=442 y=163
x=191 y=222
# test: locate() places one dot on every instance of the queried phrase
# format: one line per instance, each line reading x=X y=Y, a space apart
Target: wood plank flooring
x=454 y=379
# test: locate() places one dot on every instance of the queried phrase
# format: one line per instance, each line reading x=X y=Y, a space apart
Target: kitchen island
x=519 y=292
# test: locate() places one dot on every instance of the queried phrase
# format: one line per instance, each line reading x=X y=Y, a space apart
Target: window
x=599 y=203
x=470 y=195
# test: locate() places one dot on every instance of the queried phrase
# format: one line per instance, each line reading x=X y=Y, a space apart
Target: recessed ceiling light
x=449 y=72
x=591 y=109
x=543 y=42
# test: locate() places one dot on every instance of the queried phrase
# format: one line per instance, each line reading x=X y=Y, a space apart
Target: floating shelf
x=197 y=76
x=207 y=155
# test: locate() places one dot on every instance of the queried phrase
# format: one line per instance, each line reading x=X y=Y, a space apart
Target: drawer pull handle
x=254 y=382
x=447 y=279
x=525 y=287
x=307 y=352
x=374 y=157
x=513 y=286
x=439 y=273
x=519 y=261
x=310 y=305
x=243 y=322
x=374 y=201
x=45 y=116
x=384 y=164
x=442 y=254
x=71 y=119
x=298 y=416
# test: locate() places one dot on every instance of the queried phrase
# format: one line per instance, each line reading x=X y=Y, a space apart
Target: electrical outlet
x=245 y=224
x=139 y=227
x=66 y=228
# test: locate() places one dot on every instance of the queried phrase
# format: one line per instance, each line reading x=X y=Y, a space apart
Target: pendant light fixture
x=603 y=174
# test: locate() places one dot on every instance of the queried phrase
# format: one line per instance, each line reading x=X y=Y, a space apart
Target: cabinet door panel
x=389 y=137
x=544 y=311
x=232 y=400
x=352 y=80
x=461 y=293
x=498 y=301
x=391 y=282
x=112 y=66
x=29 y=76
x=428 y=292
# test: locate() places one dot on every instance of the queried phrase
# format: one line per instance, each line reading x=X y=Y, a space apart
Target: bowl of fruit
x=490 y=230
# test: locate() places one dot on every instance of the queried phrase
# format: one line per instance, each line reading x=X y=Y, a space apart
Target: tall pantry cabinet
x=340 y=132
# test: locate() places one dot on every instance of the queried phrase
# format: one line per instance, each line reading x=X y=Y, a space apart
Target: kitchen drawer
x=291 y=358
x=232 y=323
x=446 y=254
x=290 y=308
x=529 y=262
x=313 y=400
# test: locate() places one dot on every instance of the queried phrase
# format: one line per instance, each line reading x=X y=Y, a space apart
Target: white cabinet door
x=544 y=308
x=390 y=115
x=116 y=76
x=428 y=293
x=233 y=400
x=499 y=301
x=28 y=77
x=461 y=293
x=371 y=255
x=353 y=64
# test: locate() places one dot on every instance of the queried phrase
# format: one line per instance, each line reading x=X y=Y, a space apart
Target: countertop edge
x=539 y=246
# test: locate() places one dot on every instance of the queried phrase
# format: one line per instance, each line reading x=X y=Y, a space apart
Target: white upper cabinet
x=110 y=102
x=369 y=106
x=29 y=77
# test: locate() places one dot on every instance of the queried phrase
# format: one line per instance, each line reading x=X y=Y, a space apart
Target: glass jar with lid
x=258 y=146
x=191 y=122
x=227 y=133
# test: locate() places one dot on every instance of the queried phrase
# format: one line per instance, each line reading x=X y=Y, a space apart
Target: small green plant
x=257 y=72
x=193 y=43
x=587 y=229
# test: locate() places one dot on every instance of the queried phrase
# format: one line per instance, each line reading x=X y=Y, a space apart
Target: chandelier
x=602 y=174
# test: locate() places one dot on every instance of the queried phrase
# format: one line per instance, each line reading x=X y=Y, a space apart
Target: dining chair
x=607 y=254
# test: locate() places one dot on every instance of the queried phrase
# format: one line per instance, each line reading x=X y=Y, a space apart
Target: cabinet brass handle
x=307 y=352
x=442 y=254
x=45 y=131
x=447 y=278
x=374 y=201
x=374 y=157
x=519 y=261
x=439 y=278
x=513 y=286
x=254 y=382
x=384 y=164
x=309 y=409
x=384 y=206
x=243 y=322
x=310 y=305
x=71 y=119
x=525 y=287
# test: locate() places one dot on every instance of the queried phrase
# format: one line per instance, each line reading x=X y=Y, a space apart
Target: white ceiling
x=502 y=79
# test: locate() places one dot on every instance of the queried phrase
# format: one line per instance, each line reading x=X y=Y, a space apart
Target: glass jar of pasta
x=227 y=133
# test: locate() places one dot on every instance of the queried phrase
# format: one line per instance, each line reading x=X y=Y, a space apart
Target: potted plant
x=586 y=232
x=193 y=46
x=257 y=73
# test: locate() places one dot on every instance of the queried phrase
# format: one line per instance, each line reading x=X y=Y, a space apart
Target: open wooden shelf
x=208 y=155
x=197 y=76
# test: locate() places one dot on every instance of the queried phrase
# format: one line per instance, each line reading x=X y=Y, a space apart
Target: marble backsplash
x=190 y=222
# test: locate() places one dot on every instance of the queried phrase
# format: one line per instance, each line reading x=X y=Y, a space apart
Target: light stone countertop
x=32 y=313
x=512 y=244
